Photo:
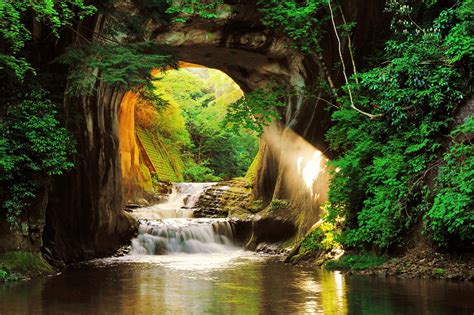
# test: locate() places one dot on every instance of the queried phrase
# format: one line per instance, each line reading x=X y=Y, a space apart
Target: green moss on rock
x=17 y=265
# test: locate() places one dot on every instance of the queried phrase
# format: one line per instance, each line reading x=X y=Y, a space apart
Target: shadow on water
x=238 y=284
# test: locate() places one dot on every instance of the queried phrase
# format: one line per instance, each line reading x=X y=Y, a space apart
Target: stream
x=181 y=265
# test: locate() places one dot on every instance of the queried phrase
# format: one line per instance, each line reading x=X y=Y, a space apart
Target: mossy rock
x=16 y=265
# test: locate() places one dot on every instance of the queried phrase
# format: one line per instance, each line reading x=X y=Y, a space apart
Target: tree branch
x=371 y=116
x=349 y=45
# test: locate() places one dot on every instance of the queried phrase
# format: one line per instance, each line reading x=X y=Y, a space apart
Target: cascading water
x=180 y=203
x=169 y=228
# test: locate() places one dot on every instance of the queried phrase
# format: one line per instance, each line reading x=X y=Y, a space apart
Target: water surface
x=226 y=283
x=183 y=265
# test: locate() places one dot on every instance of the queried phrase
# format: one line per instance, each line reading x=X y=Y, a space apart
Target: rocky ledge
x=424 y=262
x=228 y=198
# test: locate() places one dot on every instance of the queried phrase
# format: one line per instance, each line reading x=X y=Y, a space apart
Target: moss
x=147 y=178
x=256 y=206
x=252 y=171
x=278 y=204
x=16 y=265
x=355 y=262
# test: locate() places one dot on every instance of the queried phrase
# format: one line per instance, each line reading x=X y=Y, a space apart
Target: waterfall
x=180 y=203
x=169 y=228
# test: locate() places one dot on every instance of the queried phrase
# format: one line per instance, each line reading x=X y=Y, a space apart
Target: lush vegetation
x=181 y=11
x=355 y=262
x=401 y=163
x=257 y=109
x=301 y=21
x=37 y=147
x=451 y=215
x=390 y=126
x=33 y=144
x=15 y=33
x=320 y=238
x=193 y=120
x=381 y=186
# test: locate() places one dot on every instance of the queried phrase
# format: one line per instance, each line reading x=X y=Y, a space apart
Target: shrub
x=452 y=213
x=355 y=262
x=320 y=238
x=278 y=204
x=37 y=147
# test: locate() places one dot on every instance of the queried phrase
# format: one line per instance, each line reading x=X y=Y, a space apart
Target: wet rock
x=270 y=230
x=122 y=251
x=230 y=198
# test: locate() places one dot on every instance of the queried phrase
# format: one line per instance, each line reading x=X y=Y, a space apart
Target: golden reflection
x=333 y=297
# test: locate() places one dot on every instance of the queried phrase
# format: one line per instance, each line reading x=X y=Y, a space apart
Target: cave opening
x=182 y=135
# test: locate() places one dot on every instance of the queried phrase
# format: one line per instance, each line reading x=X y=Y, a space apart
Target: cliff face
x=84 y=217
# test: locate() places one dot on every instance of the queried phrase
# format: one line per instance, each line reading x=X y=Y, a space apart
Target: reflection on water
x=230 y=283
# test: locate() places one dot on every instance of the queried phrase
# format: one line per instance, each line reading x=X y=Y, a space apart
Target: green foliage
x=33 y=145
x=182 y=10
x=459 y=41
x=252 y=170
x=126 y=65
x=199 y=173
x=301 y=21
x=15 y=33
x=257 y=109
x=3 y=275
x=452 y=213
x=320 y=238
x=22 y=264
x=203 y=96
x=277 y=205
x=378 y=185
x=355 y=262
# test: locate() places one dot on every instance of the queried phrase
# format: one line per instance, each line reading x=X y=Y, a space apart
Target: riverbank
x=22 y=265
x=420 y=262
x=424 y=262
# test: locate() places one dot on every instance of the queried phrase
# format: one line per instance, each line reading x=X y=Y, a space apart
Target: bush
x=3 y=275
x=199 y=173
x=355 y=262
x=320 y=238
x=452 y=214
x=33 y=146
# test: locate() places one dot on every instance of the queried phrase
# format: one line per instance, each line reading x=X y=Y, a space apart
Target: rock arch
x=84 y=217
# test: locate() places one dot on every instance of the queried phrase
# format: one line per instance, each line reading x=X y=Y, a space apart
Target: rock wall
x=84 y=216
x=27 y=234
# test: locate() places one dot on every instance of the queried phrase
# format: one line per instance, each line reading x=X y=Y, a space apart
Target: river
x=179 y=265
